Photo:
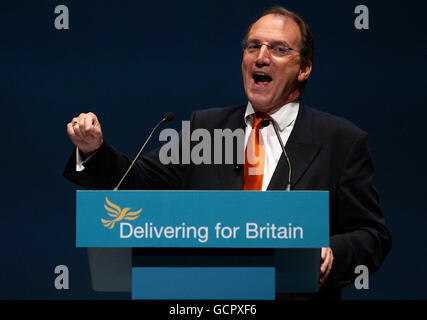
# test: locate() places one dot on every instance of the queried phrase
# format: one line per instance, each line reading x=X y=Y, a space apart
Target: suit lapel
x=301 y=149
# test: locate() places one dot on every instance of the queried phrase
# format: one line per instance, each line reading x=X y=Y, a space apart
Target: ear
x=304 y=72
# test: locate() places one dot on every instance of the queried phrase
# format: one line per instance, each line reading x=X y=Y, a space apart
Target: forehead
x=274 y=27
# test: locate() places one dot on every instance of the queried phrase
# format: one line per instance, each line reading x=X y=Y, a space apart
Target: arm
x=362 y=238
x=107 y=165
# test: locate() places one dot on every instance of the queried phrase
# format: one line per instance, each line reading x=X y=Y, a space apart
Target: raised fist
x=85 y=132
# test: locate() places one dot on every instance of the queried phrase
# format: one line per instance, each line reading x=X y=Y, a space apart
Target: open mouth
x=261 y=79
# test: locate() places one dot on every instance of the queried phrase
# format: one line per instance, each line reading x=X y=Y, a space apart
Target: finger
x=325 y=276
x=96 y=130
x=323 y=253
x=88 y=123
x=326 y=256
x=323 y=267
x=81 y=124
x=76 y=127
x=92 y=125
x=323 y=256
x=94 y=118
x=329 y=260
x=328 y=270
x=75 y=121
x=330 y=263
x=70 y=130
x=326 y=261
x=72 y=134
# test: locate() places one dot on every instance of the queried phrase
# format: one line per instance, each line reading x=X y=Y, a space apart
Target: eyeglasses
x=277 y=49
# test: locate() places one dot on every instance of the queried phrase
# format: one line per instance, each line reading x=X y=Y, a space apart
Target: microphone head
x=265 y=122
x=168 y=116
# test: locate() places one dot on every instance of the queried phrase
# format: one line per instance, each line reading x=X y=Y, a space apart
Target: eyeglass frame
x=289 y=49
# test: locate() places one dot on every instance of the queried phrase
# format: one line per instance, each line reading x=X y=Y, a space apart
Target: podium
x=243 y=245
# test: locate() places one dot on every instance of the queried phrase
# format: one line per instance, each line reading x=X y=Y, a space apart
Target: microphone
x=266 y=122
x=166 y=118
x=169 y=116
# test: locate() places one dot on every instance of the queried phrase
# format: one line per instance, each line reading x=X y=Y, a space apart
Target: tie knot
x=258 y=117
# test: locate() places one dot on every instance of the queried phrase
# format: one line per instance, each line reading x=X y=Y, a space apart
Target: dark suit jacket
x=326 y=153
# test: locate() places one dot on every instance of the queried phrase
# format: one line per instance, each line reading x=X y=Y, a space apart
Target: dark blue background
x=131 y=61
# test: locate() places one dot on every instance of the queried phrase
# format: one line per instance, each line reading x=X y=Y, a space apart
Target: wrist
x=86 y=153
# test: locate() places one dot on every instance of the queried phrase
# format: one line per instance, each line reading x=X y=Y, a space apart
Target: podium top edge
x=274 y=191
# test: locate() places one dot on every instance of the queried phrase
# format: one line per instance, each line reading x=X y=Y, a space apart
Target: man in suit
x=325 y=152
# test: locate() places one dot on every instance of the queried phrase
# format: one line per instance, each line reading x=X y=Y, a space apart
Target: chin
x=261 y=104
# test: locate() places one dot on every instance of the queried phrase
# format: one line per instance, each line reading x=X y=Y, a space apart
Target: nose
x=263 y=58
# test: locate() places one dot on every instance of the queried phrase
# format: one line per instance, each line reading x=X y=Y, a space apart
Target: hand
x=326 y=266
x=85 y=132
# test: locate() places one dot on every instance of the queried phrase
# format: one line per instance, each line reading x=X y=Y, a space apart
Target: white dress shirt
x=80 y=163
x=285 y=118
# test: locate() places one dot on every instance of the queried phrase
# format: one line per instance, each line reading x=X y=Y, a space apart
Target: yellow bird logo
x=118 y=214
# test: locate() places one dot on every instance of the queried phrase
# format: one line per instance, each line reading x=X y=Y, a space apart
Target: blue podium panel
x=210 y=244
x=205 y=283
x=191 y=219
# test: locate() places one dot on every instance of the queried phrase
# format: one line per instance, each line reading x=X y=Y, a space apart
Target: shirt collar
x=283 y=116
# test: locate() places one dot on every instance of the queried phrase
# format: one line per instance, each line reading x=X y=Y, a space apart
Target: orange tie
x=254 y=156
